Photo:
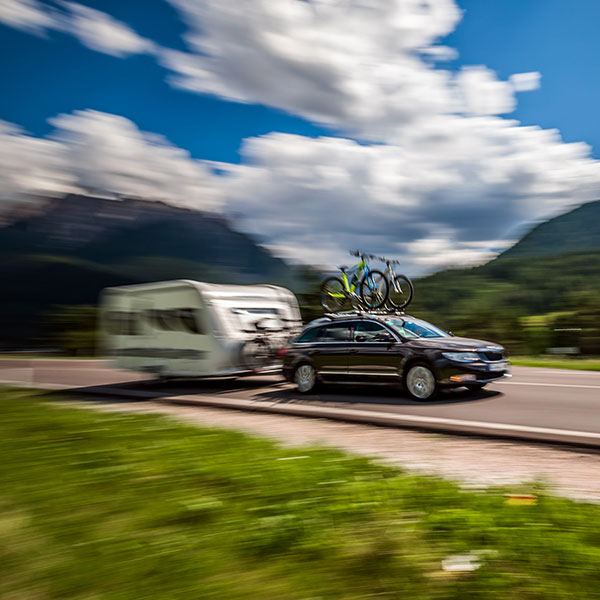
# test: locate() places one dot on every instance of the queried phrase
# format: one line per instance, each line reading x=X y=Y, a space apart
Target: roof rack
x=364 y=314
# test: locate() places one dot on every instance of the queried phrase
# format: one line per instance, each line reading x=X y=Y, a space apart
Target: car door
x=330 y=351
x=374 y=352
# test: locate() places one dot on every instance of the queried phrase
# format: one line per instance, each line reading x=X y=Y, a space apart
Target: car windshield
x=410 y=327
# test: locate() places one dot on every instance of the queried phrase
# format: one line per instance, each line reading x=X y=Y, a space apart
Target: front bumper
x=455 y=374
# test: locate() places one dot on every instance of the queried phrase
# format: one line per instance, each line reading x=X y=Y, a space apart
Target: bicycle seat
x=343 y=268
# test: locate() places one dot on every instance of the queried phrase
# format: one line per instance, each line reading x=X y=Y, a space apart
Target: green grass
x=584 y=364
x=122 y=506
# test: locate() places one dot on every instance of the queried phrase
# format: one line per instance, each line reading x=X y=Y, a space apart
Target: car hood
x=454 y=344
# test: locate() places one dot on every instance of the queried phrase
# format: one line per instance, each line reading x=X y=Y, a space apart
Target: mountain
x=575 y=231
x=117 y=232
x=72 y=247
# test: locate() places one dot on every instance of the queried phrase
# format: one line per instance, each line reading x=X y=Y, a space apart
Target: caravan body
x=188 y=328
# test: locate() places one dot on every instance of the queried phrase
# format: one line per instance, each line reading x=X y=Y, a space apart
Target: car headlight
x=465 y=357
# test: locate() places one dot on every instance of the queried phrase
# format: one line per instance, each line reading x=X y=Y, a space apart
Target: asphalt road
x=534 y=399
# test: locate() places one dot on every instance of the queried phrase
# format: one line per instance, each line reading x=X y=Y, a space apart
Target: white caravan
x=192 y=329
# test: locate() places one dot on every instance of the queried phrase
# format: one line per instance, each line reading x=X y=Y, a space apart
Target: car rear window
x=309 y=335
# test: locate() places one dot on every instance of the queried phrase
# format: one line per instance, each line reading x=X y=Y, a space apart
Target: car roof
x=340 y=317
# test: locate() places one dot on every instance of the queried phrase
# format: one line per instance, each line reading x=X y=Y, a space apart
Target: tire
x=376 y=297
x=305 y=378
x=401 y=292
x=256 y=353
x=333 y=294
x=420 y=382
x=475 y=387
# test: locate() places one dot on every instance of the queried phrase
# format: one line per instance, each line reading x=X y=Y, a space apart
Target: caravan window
x=121 y=323
x=175 y=319
x=188 y=318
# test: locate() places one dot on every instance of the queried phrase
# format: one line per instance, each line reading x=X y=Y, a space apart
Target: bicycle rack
x=364 y=314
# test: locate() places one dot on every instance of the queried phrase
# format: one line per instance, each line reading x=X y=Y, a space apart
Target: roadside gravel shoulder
x=473 y=462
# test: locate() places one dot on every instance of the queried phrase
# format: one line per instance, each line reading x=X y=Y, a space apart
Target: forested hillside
x=575 y=231
x=71 y=248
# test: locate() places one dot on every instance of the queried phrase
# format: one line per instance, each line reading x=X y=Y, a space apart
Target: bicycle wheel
x=333 y=295
x=256 y=353
x=401 y=291
x=374 y=290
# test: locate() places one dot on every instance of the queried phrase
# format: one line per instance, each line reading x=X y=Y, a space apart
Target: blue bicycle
x=373 y=286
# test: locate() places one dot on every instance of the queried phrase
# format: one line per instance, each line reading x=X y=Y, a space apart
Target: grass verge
x=582 y=364
x=123 y=506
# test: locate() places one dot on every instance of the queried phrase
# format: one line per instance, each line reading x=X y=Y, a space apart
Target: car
x=395 y=349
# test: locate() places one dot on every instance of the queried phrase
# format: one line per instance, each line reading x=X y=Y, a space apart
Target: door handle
x=354 y=351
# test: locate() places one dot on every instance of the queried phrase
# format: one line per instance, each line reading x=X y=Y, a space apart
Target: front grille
x=490 y=356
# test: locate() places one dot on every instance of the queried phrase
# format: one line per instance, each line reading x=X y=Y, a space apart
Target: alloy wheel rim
x=421 y=382
x=305 y=378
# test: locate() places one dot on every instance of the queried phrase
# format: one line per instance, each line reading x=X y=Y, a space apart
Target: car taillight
x=282 y=352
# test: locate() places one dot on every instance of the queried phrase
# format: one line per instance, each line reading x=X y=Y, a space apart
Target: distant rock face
x=76 y=220
x=575 y=231
x=117 y=231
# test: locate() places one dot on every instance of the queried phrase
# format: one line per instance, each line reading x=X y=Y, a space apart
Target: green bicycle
x=373 y=286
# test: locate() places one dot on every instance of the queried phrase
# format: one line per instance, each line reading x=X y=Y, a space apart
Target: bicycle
x=401 y=289
x=262 y=350
x=374 y=287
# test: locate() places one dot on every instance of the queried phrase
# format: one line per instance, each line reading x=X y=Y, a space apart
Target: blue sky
x=330 y=121
x=557 y=38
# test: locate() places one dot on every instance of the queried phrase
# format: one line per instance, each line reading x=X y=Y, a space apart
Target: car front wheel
x=420 y=383
x=305 y=378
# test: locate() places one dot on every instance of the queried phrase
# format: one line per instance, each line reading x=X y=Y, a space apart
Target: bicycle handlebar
x=374 y=257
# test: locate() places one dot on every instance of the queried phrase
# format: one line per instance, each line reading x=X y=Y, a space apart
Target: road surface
x=537 y=403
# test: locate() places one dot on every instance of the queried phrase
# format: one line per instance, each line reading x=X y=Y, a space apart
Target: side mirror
x=384 y=337
x=451 y=334
x=360 y=338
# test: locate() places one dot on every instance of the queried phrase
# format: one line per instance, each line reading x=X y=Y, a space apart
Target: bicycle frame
x=361 y=267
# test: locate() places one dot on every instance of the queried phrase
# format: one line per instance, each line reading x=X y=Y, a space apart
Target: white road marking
x=376 y=416
x=567 y=385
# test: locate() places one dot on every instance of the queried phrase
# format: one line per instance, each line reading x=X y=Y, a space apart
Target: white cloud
x=93 y=28
x=353 y=64
x=29 y=167
x=103 y=33
x=525 y=82
x=448 y=195
x=361 y=66
x=445 y=183
x=483 y=94
x=28 y=15
x=99 y=153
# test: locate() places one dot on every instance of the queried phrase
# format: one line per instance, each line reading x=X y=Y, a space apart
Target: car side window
x=309 y=335
x=337 y=332
x=367 y=331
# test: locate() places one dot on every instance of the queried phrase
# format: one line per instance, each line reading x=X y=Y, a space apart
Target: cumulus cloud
x=100 y=153
x=30 y=167
x=356 y=65
x=364 y=67
x=525 y=82
x=93 y=28
x=482 y=93
x=447 y=196
x=443 y=181
x=103 y=33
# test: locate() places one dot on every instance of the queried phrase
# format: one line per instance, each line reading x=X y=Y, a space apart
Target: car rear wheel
x=305 y=378
x=420 y=383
